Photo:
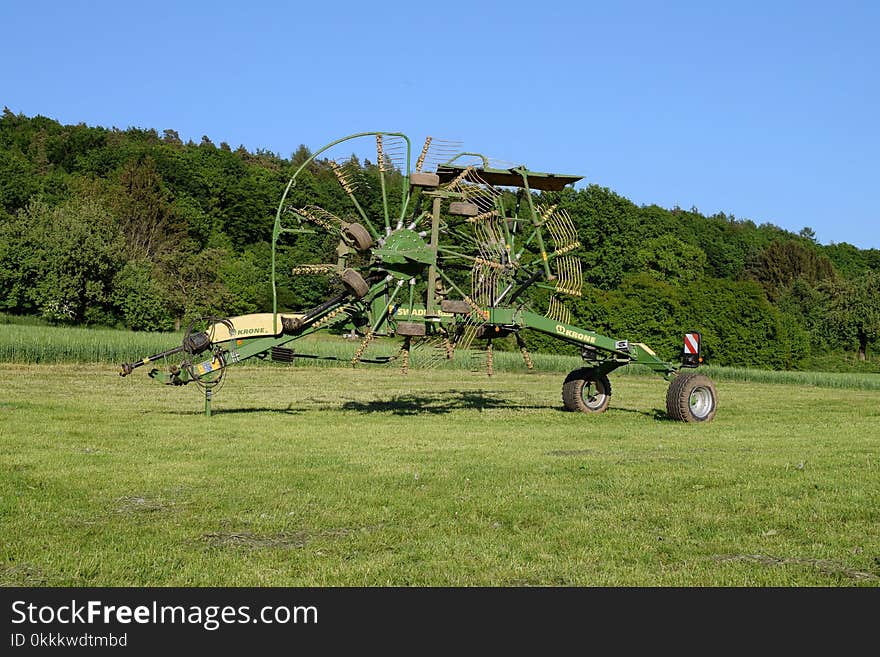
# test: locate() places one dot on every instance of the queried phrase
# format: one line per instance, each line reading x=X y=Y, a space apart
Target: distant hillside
x=132 y=228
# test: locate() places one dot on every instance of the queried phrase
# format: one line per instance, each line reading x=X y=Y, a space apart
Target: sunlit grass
x=308 y=476
x=23 y=343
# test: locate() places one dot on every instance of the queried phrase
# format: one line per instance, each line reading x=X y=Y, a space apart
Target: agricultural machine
x=440 y=255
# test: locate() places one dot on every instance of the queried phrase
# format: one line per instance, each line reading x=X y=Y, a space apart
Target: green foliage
x=193 y=218
x=852 y=310
x=108 y=226
x=808 y=233
x=193 y=281
x=246 y=277
x=607 y=227
x=740 y=327
x=647 y=310
x=141 y=300
x=785 y=261
x=146 y=219
x=18 y=180
x=668 y=258
x=850 y=261
x=60 y=261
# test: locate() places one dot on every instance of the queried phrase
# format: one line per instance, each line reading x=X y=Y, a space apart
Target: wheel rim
x=593 y=396
x=700 y=401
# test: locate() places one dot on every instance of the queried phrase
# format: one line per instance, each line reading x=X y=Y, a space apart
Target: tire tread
x=572 y=390
x=678 y=396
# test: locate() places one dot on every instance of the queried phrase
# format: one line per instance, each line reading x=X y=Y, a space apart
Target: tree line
x=130 y=228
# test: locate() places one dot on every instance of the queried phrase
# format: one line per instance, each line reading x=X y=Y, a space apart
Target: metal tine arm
x=438 y=151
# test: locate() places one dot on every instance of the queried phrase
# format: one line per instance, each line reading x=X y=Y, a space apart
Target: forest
x=141 y=230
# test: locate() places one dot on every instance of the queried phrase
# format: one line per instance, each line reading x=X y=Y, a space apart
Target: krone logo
x=246 y=331
x=577 y=335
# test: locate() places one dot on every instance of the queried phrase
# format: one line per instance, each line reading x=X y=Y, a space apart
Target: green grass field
x=29 y=343
x=340 y=476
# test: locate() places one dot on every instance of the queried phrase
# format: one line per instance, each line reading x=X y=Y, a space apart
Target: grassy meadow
x=37 y=343
x=361 y=476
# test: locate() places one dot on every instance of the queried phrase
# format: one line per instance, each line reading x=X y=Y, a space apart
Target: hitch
x=194 y=343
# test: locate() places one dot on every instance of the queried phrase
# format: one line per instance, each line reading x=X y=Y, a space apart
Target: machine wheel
x=359 y=236
x=355 y=282
x=585 y=392
x=691 y=397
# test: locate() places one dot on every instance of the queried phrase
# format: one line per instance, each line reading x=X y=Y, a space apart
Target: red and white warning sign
x=692 y=343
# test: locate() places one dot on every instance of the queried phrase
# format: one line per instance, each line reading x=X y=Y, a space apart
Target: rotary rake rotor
x=441 y=254
x=462 y=236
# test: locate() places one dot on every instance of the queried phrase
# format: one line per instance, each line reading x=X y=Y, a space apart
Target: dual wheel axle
x=691 y=396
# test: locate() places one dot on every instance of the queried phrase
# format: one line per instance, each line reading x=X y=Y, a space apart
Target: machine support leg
x=450 y=349
x=404 y=352
x=207 y=402
x=431 y=303
x=525 y=352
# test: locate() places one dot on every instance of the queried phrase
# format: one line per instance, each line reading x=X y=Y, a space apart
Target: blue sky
x=765 y=110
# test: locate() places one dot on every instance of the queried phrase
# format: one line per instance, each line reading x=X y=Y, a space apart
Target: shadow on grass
x=422 y=403
x=439 y=404
x=655 y=413
x=403 y=405
x=289 y=410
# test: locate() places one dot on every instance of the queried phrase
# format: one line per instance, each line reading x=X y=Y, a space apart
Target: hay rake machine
x=441 y=255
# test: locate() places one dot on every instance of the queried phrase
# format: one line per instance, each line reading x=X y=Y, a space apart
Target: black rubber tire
x=585 y=392
x=359 y=236
x=355 y=282
x=691 y=397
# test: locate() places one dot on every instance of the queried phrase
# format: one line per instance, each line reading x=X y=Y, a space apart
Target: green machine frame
x=464 y=216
